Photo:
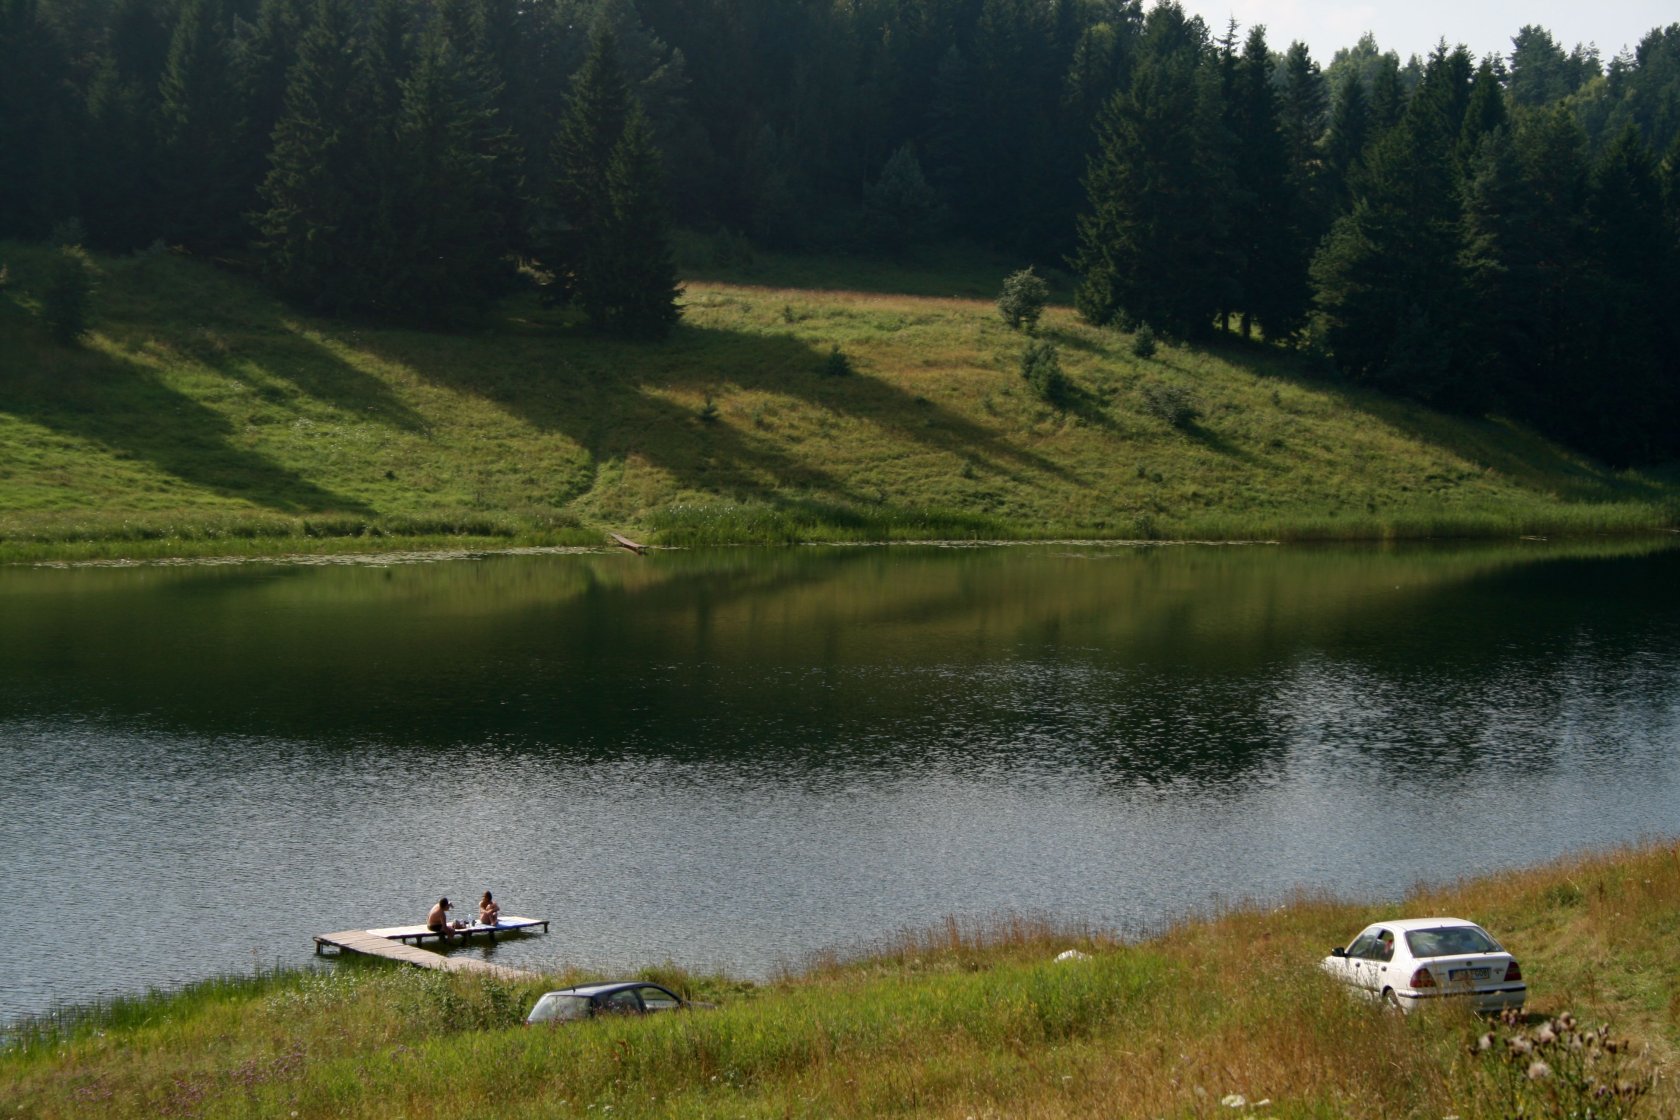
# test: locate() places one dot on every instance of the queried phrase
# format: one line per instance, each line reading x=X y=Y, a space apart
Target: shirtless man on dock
x=438 y=920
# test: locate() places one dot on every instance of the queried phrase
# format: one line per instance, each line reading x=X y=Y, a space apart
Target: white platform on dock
x=417 y=934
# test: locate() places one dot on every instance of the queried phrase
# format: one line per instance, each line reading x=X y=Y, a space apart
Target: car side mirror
x=1338 y=951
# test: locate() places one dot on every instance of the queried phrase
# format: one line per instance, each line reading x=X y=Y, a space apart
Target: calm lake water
x=737 y=758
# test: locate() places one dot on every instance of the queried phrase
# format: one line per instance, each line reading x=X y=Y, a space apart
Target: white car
x=1408 y=962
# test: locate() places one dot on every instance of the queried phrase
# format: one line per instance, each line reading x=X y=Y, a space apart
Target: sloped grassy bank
x=953 y=1022
x=203 y=417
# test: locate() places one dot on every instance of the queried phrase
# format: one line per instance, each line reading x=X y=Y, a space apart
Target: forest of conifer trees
x=1497 y=234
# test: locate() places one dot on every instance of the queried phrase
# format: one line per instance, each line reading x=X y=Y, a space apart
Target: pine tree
x=1387 y=98
x=1502 y=274
x=1386 y=279
x=440 y=250
x=1484 y=112
x=260 y=67
x=902 y=206
x=37 y=111
x=577 y=201
x=320 y=193
x=119 y=194
x=1269 y=250
x=632 y=290
x=1152 y=243
x=1350 y=130
x=1633 y=265
x=200 y=167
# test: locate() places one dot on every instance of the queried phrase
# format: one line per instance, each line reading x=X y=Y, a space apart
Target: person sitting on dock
x=438 y=920
x=488 y=910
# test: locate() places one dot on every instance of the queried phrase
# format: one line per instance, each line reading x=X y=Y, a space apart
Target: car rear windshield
x=1449 y=941
x=557 y=1007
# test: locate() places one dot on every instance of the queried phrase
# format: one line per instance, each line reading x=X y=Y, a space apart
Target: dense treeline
x=1480 y=234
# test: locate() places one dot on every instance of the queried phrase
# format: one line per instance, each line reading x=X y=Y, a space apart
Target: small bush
x=1143 y=342
x=837 y=364
x=68 y=295
x=1023 y=298
x=1041 y=366
x=709 y=411
x=1173 y=403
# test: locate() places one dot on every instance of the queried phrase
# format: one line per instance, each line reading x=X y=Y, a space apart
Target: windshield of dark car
x=557 y=1007
x=1449 y=941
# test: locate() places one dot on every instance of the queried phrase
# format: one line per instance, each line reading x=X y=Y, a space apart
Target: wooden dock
x=392 y=943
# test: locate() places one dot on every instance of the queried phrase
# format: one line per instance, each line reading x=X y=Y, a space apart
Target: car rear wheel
x=1390 y=1001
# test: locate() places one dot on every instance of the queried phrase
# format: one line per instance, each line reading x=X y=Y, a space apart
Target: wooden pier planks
x=386 y=944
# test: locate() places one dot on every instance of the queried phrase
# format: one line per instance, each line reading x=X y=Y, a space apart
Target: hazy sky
x=1414 y=26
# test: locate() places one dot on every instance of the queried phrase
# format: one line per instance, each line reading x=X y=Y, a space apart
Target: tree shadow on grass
x=1523 y=456
x=278 y=359
x=602 y=394
x=122 y=406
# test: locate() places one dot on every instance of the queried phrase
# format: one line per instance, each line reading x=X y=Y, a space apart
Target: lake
x=738 y=758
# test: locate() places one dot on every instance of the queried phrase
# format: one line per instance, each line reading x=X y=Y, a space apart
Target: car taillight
x=1513 y=971
x=1422 y=978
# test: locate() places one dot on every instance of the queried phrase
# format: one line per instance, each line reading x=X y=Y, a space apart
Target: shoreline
x=431 y=550
x=950 y=1020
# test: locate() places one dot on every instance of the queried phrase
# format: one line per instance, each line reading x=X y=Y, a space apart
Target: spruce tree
x=1350 y=130
x=440 y=249
x=577 y=205
x=36 y=115
x=200 y=170
x=120 y=195
x=265 y=56
x=1502 y=275
x=320 y=193
x=1386 y=279
x=1269 y=254
x=632 y=291
x=1387 y=98
x=902 y=207
x=1152 y=242
x=1484 y=112
x=1629 y=416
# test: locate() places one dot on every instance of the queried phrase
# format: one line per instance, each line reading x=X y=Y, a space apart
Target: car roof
x=601 y=989
x=1405 y=924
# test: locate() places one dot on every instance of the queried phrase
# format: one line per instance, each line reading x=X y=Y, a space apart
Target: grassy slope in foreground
x=204 y=416
x=946 y=1024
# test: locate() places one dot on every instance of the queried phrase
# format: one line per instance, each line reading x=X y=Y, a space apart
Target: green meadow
x=1225 y=1015
x=201 y=416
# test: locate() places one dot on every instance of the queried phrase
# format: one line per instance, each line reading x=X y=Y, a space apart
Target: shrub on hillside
x=837 y=364
x=1172 y=403
x=1022 y=300
x=68 y=296
x=1041 y=366
x=1143 y=342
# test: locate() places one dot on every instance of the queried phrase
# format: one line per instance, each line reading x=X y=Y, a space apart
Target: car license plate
x=1469 y=973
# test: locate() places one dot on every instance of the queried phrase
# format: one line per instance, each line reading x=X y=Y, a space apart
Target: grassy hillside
x=954 y=1022
x=204 y=416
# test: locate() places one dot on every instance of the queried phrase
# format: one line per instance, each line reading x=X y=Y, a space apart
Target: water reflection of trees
x=1149 y=667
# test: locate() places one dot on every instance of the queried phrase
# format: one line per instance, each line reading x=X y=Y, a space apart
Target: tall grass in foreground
x=1210 y=1018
